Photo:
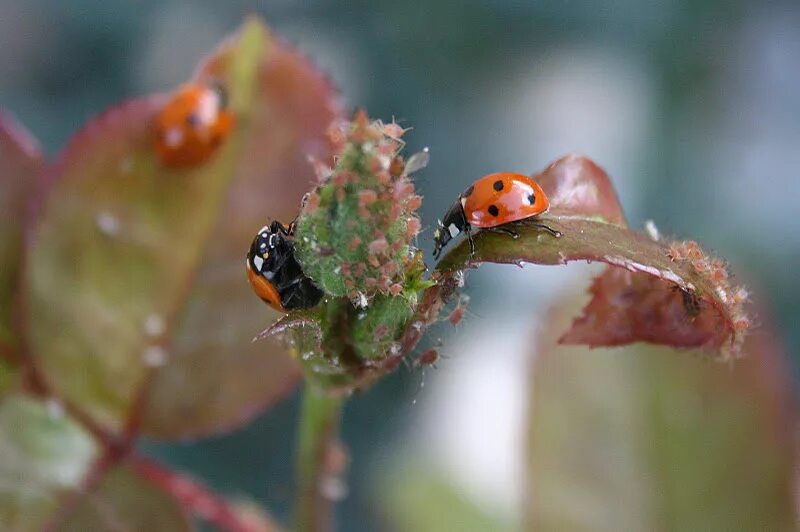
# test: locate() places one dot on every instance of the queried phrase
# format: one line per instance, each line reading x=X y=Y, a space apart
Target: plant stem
x=319 y=423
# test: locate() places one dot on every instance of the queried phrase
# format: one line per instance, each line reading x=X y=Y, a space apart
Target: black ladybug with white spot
x=275 y=274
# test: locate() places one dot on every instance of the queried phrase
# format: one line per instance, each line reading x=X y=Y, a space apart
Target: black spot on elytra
x=498 y=185
x=531 y=199
x=468 y=192
x=192 y=120
x=493 y=210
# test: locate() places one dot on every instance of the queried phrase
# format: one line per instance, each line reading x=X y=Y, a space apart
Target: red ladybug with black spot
x=492 y=202
x=193 y=124
x=275 y=274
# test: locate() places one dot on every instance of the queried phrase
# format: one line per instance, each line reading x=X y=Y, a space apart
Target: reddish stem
x=194 y=497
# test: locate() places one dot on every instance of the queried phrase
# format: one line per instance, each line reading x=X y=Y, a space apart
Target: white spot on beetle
x=453 y=230
x=174 y=137
x=259 y=262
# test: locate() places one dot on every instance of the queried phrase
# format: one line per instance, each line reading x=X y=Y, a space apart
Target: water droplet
x=154 y=325
x=55 y=408
x=126 y=165
x=154 y=356
x=333 y=488
x=107 y=223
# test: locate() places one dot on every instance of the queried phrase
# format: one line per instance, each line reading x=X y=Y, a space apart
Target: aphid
x=193 y=124
x=275 y=274
x=428 y=357
x=492 y=202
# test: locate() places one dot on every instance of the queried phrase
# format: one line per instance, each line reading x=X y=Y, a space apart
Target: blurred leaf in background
x=646 y=438
x=135 y=291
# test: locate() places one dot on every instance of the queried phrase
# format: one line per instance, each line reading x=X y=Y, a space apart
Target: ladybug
x=192 y=124
x=275 y=274
x=491 y=202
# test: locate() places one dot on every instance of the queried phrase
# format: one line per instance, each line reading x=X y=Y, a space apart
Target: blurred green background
x=691 y=106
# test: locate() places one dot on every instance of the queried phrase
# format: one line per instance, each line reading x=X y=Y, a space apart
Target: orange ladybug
x=193 y=124
x=491 y=202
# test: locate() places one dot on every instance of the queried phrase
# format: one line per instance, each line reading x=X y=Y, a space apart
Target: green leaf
x=136 y=287
x=43 y=456
x=126 y=501
x=644 y=438
x=585 y=210
x=20 y=168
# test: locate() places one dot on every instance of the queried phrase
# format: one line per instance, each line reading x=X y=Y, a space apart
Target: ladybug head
x=453 y=223
x=270 y=249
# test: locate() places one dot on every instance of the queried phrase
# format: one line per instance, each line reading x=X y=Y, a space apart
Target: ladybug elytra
x=491 y=202
x=192 y=124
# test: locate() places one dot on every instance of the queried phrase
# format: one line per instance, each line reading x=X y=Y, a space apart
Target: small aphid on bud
x=389 y=268
x=381 y=332
x=393 y=130
x=354 y=243
x=403 y=189
x=312 y=201
x=414 y=202
x=379 y=245
x=429 y=357
x=395 y=289
x=676 y=251
x=387 y=149
x=740 y=296
x=413 y=226
x=373 y=261
x=397 y=167
x=693 y=250
x=367 y=197
x=337 y=132
x=458 y=312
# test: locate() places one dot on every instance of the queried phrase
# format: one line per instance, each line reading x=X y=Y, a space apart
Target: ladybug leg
x=550 y=230
x=471 y=242
x=505 y=230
